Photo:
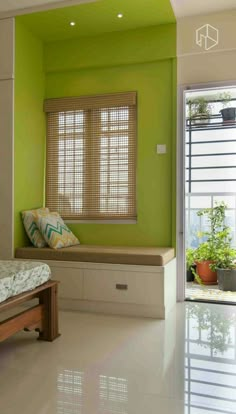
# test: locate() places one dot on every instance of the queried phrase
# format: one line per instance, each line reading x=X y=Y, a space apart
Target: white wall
x=195 y=65
x=6 y=136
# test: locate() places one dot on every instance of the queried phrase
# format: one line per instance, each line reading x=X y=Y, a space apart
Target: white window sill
x=124 y=221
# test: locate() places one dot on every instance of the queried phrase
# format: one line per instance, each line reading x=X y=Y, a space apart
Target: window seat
x=146 y=256
x=133 y=281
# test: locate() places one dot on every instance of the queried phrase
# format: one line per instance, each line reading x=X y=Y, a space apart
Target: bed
x=20 y=282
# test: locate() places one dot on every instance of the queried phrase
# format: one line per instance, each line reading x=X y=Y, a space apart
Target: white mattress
x=18 y=276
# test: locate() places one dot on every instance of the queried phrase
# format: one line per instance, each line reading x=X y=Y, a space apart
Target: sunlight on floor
x=195 y=291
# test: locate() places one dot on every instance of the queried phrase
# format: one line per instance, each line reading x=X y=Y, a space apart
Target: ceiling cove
x=98 y=17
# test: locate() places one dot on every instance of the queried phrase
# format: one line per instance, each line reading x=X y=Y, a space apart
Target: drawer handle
x=121 y=287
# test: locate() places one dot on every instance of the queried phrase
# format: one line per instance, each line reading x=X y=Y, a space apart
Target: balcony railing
x=195 y=224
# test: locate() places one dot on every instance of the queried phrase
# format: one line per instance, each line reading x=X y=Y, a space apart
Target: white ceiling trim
x=48 y=6
x=186 y=8
x=182 y=8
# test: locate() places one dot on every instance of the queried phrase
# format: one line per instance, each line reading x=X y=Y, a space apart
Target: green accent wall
x=144 y=61
x=98 y=17
x=29 y=126
x=133 y=46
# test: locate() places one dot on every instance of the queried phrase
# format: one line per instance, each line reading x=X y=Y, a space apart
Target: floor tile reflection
x=210 y=363
x=70 y=387
x=116 y=365
x=113 y=394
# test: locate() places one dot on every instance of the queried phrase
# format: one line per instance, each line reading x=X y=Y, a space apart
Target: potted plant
x=225 y=265
x=228 y=113
x=205 y=257
x=207 y=253
x=190 y=265
x=226 y=272
x=199 y=110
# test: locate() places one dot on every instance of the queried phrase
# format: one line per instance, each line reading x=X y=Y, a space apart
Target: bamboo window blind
x=91 y=156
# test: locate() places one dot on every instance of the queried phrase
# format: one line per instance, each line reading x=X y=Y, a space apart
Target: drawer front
x=123 y=287
x=71 y=282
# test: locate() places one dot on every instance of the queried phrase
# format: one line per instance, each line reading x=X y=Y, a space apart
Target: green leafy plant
x=196 y=276
x=217 y=247
x=218 y=234
x=225 y=98
x=205 y=251
x=199 y=108
x=190 y=258
x=226 y=258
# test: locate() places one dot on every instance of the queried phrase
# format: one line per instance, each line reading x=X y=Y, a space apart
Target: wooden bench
x=121 y=280
x=42 y=318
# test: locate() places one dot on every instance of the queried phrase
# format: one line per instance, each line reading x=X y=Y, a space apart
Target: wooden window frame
x=91 y=105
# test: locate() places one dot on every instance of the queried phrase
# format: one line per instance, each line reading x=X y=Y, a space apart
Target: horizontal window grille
x=91 y=157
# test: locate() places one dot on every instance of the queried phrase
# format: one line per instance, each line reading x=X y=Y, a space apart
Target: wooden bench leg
x=48 y=298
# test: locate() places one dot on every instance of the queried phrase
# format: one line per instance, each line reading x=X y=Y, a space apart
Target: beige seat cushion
x=147 y=256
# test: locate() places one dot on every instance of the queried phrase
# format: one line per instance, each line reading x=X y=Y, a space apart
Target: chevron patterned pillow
x=55 y=231
x=29 y=220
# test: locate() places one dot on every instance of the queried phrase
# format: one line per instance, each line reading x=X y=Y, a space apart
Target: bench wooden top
x=147 y=256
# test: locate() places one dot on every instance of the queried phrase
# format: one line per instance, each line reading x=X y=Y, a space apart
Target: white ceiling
x=13 y=7
x=184 y=8
x=181 y=8
x=14 y=4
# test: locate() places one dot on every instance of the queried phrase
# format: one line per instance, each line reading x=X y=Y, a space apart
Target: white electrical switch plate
x=161 y=149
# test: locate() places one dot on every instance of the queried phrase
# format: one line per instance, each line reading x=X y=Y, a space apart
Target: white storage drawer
x=134 y=290
x=71 y=282
x=123 y=286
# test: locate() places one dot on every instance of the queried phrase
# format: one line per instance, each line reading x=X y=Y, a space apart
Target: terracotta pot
x=205 y=273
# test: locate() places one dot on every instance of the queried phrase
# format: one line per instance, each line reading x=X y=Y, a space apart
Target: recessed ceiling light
x=120 y=15
x=72 y=23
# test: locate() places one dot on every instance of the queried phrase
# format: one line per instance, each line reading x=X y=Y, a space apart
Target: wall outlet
x=161 y=149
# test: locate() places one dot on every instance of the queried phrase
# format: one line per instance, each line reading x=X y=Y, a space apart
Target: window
x=91 y=157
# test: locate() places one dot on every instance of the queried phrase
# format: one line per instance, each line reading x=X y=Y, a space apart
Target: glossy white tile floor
x=117 y=365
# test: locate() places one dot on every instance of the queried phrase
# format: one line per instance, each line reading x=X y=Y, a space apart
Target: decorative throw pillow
x=29 y=220
x=55 y=231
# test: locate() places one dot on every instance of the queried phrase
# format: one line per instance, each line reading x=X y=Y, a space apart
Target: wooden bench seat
x=144 y=256
x=139 y=281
